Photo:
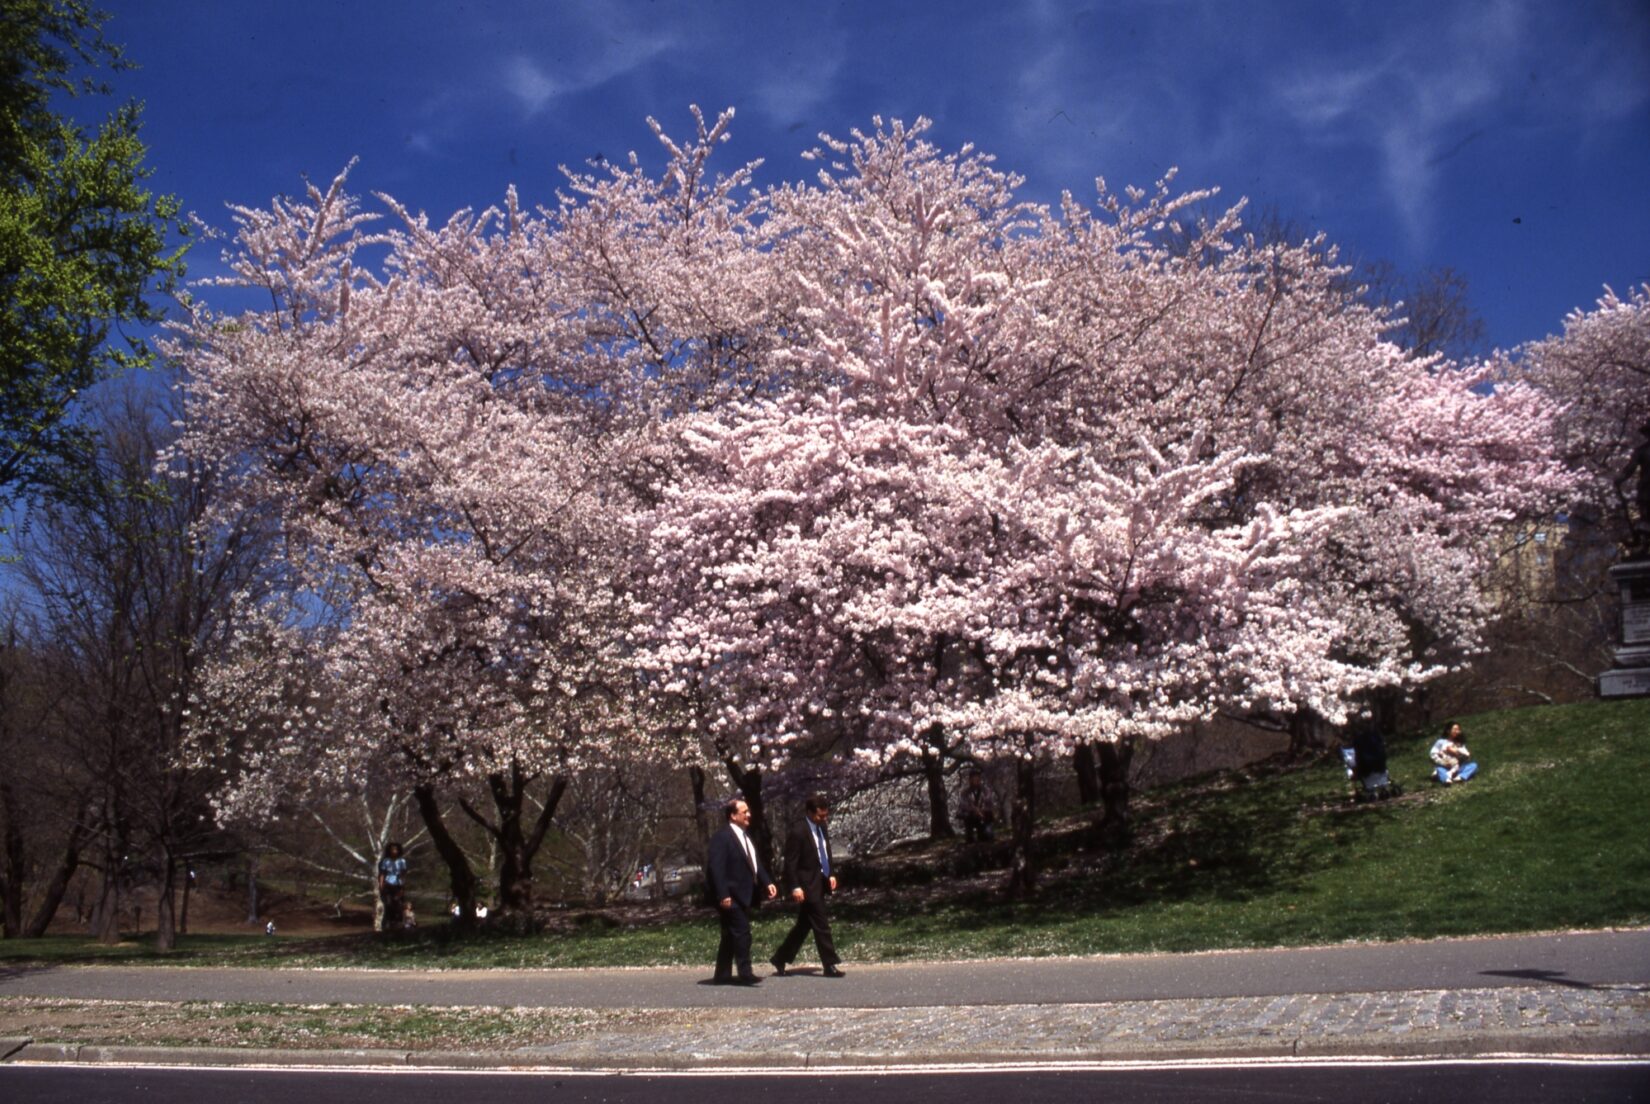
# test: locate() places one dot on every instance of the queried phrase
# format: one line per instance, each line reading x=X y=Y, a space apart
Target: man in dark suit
x=808 y=873
x=736 y=873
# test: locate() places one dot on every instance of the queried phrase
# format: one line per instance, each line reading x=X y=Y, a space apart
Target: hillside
x=1549 y=836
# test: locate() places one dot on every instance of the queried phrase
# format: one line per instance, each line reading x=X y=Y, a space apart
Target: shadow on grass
x=1227 y=839
x=1232 y=842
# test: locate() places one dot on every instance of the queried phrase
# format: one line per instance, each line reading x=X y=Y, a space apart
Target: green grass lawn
x=1550 y=835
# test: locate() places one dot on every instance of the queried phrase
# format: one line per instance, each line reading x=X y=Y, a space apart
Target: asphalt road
x=1582 y=959
x=1456 y=1082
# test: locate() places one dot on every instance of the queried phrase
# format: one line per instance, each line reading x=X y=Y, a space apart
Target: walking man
x=808 y=873
x=736 y=874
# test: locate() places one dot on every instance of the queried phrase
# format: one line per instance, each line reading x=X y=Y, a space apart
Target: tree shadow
x=1228 y=837
x=1213 y=844
x=11 y=972
x=1547 y=977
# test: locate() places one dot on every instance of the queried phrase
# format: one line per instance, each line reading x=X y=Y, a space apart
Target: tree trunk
x=1114 y=791
x=749 y=781
x=13 y=871
x=1384 y=704
x=1422 y=714
x=515 y=871
x=1088 y=777
x=701 y=817
x=166 y=934
x=1022 y=815
x=517 y=843
x=460 y=878
x=59 y=884
x=933 y=773
x=1306 y=733
x=252 y=887
x=106 y=916
x=188 y=884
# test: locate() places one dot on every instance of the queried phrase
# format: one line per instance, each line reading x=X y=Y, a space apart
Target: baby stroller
x=1366 y=767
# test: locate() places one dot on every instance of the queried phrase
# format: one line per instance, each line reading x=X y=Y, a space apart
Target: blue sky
x=1507 y=138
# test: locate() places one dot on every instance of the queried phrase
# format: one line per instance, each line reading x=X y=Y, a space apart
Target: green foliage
x=1548 y=836
x=41 y=43
x=82 y=242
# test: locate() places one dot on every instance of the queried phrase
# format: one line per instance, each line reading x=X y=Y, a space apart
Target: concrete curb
x=1563 y=1020
x=1497 y=1044
x=93 y=1054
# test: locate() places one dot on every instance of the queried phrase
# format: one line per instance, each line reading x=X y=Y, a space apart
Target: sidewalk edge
x=1569 y=1045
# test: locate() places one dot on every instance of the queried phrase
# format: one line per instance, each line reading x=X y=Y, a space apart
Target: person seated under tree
x=1454 y=761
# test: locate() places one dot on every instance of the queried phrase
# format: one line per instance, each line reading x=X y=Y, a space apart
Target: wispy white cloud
x=790 y=88
x=1074 y=117
x=572 y=53
x=1398 y=113
x=1437 y=84
x=1368 y=103
x=534 y=84
x=1325 y=98
x=529 y=84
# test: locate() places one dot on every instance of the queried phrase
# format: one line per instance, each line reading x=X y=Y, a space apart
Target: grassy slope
x=1550 y=835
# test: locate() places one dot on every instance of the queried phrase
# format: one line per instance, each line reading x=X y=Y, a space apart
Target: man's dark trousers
x=803 y=871
x=735 y=947
x=731 y=877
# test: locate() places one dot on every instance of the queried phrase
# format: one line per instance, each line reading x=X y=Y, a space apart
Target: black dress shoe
x=778 y=967
x=832 y=971
x=749 y=979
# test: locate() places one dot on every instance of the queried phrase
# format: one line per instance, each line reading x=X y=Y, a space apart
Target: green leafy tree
x=83 y=243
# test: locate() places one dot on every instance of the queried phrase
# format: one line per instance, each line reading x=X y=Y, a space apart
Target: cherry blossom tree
x=268 y=725
x=1039 y=479
x=431 y=434
x=1599 y=368
x=672 y=275
x=678 y=284
x=893 y=462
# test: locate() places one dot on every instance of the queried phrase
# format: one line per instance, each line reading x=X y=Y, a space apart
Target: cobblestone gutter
x=1434 y=1022
x=1547 y=1020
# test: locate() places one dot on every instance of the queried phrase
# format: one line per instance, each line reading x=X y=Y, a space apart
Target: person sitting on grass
x=1454 y=761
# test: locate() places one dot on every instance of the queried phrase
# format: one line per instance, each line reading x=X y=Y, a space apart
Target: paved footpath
x=1565 y=993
